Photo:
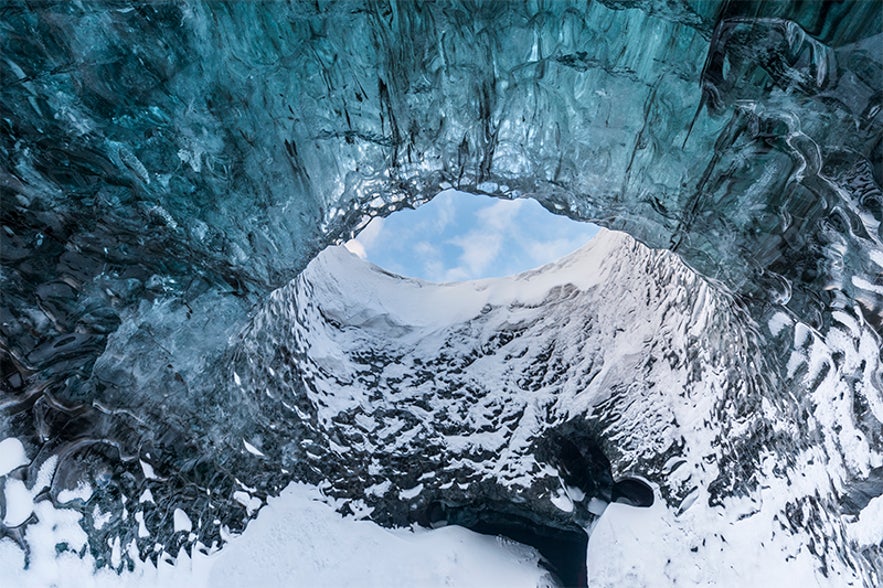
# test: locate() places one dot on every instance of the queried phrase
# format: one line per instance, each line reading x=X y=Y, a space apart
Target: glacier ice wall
x=166 y=167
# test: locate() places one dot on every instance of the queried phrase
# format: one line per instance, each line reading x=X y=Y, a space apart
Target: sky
x=459 y=236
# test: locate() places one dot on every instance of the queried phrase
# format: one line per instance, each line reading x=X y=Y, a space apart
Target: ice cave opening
x=482 y=362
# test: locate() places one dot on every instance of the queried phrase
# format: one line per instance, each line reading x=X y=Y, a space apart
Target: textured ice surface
x=164 y=168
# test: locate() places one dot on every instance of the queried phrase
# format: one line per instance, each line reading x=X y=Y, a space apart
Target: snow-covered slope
x=410 y=394
x=297 y=540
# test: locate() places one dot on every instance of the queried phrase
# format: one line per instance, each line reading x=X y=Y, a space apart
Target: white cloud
x=479 y=250
x=371 y=233
x=428 y=257
x=445 y=209
x=500 y=216
x=481 y=246
x=426 y=249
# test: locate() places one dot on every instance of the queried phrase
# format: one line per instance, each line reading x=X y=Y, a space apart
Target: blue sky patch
x=459 y=236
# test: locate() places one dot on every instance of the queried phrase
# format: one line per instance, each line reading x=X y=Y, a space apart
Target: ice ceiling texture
x=165 y=168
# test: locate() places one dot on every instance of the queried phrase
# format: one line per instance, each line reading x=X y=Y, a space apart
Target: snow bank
x=296 y=540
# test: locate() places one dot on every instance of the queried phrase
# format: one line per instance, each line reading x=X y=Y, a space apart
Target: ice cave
x=201 y=387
